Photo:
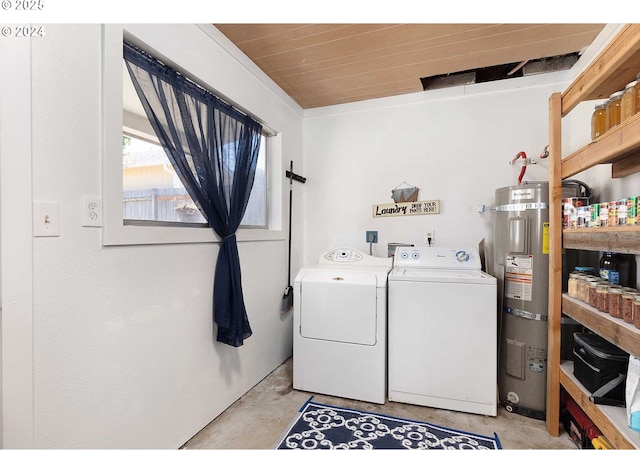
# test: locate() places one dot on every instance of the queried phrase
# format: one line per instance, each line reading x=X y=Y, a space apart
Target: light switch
x=46 y=219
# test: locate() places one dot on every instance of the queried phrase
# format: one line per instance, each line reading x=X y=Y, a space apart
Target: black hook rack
x=295 y=176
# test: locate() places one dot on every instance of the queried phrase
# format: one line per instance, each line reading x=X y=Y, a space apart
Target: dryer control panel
x=437 y=258
x=343 y=255
x=351 y=256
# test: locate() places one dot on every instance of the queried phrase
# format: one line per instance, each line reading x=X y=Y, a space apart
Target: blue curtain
x=214 y=149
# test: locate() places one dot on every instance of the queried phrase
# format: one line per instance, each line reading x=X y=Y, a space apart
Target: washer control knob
x=404 y=255
x=462 y=256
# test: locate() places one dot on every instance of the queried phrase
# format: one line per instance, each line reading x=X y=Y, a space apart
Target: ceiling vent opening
x=500 y=72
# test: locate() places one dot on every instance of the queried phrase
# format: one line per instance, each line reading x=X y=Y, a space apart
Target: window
x=120 y=116
x=152 y=190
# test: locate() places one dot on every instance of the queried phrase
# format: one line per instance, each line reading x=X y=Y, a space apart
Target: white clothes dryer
x=442 y=330
x=340 y=326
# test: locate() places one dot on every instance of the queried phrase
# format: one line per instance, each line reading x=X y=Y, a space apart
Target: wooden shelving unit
x=617 y=64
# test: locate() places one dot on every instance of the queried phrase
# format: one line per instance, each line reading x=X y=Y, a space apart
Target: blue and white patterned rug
x=328 y=427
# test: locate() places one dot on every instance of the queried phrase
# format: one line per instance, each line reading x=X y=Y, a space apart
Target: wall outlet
x=372 y=237
x=91 y=211
x=430 y=237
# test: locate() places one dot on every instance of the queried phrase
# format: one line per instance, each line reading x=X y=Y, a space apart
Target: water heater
x=521 y=258
x=521 y=265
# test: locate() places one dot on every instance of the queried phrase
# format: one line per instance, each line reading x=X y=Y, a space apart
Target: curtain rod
x=132 y=41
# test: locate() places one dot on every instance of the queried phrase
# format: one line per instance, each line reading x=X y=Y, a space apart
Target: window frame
x=115 y=231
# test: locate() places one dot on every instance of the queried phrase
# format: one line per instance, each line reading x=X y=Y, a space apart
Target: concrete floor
x=260 y=417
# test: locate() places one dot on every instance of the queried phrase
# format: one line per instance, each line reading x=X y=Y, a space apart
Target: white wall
x=455 y=144
x=124 y=348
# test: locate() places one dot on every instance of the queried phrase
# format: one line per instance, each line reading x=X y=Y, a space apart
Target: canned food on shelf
x=584 y=217
x=595 y=215
x=632 y=210
x=613 y=214
x=622 y=212
x=570 y=206
x=604 y=214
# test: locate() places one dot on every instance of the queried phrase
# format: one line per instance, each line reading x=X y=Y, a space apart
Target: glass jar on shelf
x=636 y=311
x=592 y=294
x=598 y=120
x=614 y=299
x=628 y=101
x=628 y=296
x=613 y=110
x=602 y=297
x=572 y=284
x=636 y=90
x=583 y=286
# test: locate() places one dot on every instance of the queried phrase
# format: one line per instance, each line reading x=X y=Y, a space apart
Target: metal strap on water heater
x=519 y=207
x=523 y=313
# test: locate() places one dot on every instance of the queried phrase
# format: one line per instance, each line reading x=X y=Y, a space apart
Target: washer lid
x=441 y=276
x=377 y=276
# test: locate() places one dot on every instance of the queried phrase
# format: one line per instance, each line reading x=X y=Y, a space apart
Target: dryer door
x=339 y=306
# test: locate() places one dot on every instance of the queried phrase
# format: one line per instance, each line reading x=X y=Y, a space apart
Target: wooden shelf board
x=624 y=239
x=617 y=331
x=617 y=65
x=626 y=166
x=615 y=145
x=610 y=420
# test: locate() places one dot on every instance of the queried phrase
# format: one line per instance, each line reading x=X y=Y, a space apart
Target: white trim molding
x=16 y=245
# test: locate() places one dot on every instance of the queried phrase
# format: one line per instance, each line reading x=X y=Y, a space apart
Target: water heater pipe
x=545 y=152
x=522 y=155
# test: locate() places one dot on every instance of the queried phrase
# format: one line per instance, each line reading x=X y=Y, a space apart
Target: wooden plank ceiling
x=328 y=64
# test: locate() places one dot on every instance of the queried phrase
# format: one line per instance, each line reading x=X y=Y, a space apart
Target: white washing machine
x=340 y=320
x=442 y=330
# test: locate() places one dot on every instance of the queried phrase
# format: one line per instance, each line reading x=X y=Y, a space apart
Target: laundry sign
x=407 y=208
